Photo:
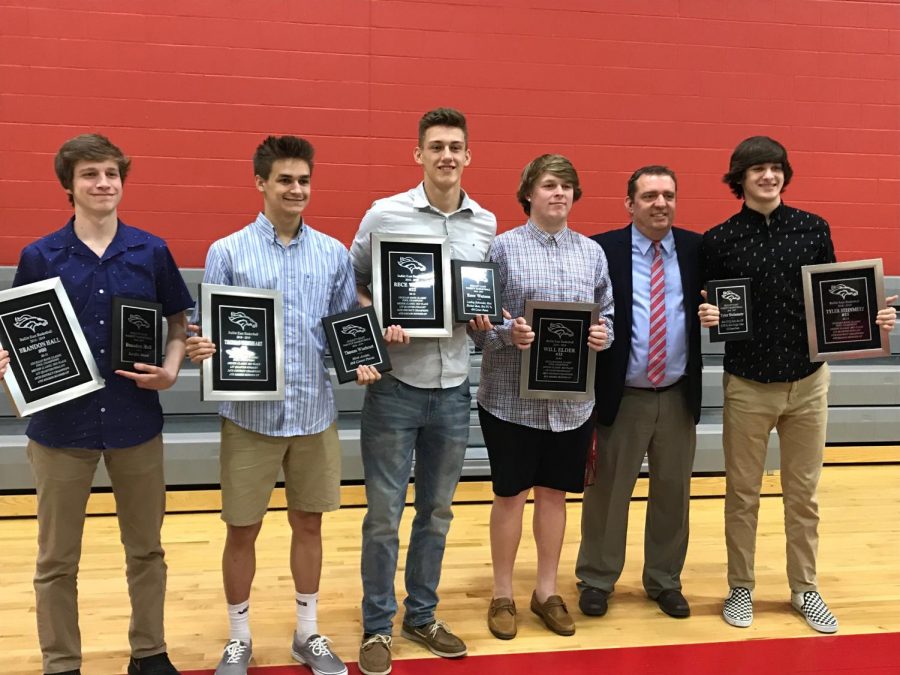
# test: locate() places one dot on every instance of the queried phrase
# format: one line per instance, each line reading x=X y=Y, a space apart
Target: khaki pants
x=799 y=412
x=63 y=478
x=662 y=426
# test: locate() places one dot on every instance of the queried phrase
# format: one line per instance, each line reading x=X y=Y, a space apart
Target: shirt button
x=102 y=409
x=102 y=351
x=101 y=322
x=101 y=290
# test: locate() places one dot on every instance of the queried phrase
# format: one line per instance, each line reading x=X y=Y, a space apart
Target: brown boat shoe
x=501 y=618
x=554 y=614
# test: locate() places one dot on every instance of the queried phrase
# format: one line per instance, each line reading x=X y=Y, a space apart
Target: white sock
x=306 y=615
x=239 y=621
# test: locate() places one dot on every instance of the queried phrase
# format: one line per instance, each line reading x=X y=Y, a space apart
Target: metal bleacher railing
x=864 y=408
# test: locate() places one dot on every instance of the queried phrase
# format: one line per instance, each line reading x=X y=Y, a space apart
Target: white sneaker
x=738 y=607
x=813 y=608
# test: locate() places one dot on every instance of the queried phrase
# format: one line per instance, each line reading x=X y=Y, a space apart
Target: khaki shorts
x=249 y=464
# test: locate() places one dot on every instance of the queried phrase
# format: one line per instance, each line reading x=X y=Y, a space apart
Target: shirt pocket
x=314 y=294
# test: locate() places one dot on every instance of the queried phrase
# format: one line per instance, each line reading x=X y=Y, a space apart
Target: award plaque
x=842 y=301
x=49 y=359
x=247 y=327
x=410 y=283
x=136 y=333
x=476 y=291
x=732 y=297
x=559 y=364
x=355 y=339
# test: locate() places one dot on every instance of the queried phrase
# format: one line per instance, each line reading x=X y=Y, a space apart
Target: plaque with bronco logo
x=411 y=283
x=355 y=339
x=842 y=301
x=136 y=333
x=476 y=291
x=49 y=358
x=247 y=327
x=559 y=364
x=732 y=297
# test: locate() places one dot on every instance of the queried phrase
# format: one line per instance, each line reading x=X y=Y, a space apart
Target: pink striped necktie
x=656 y=354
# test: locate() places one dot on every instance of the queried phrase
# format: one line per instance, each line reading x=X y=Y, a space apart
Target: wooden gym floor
x=858 y=569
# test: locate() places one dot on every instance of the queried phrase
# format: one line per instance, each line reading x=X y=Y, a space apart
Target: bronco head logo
x=353 y=329
x=730 y=296
x=843 y=290
x=411 y=264
x=242 y=320
x=30 y=322
x=138 y=321
x=559 y=330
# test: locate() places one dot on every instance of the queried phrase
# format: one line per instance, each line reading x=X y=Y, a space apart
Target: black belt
x=659 y=390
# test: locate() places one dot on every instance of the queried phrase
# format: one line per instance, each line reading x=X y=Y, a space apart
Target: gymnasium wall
x=188 y=88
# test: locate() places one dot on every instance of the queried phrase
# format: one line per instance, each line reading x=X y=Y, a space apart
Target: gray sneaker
x=316 y=654
x=235 y=658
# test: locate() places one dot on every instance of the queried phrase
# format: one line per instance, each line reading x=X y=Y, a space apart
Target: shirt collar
x=420 y=201
x=545 y=238
x=775 y=217
x=126 y=237
x=264 y=227
x=644 y=243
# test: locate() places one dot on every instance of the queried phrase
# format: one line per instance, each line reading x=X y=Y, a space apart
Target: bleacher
x=864 y=408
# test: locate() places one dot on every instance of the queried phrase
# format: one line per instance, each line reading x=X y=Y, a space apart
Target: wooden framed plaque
x=842 y=301
x=49 y=358
x=136 y=333
x=733 y=298
x=355 y=339
x=247 y=327
x=559 y=364
x=476 y=290
x=411 y=283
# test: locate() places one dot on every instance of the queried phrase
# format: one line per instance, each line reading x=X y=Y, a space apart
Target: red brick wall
x=188 y=88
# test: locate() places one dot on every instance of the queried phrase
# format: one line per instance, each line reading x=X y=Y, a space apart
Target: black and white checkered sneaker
x=738 y=607
x=813 y=608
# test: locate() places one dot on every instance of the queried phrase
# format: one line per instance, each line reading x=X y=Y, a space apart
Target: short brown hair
x=557 y=165
x=651 y=170
x=87 y=148
x=442 y=117
x=750 y=152
x=281 y=147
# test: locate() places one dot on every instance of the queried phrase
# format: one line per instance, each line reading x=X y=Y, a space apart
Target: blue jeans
x=399 y=421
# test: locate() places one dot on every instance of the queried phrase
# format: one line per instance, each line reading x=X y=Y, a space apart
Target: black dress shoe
x=672 y=602
x=158 y=664
x=593 y=601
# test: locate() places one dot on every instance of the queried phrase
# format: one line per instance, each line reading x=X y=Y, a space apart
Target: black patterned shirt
x=771 y=254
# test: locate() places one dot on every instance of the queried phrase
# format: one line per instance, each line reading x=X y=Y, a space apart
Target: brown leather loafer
x=554 y=614
x=501 y=618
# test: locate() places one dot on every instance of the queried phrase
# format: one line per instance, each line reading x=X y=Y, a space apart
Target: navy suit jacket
x=612 y=363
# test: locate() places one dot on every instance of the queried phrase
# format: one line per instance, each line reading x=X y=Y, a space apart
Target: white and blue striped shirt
x=315 y=275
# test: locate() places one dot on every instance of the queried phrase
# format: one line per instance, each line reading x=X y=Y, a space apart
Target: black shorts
x=524 y=457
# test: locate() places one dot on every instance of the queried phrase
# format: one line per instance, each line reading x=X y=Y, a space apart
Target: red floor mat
x=877 y=654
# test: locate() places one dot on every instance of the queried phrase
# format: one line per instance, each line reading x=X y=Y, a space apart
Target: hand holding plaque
x=49 y=358
x=354 y=340
x=559 y=364
x=842 y=305
x=733 y=300
x=246 y=325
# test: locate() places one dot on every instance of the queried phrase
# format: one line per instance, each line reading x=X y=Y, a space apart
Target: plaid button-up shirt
x=535 y=265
